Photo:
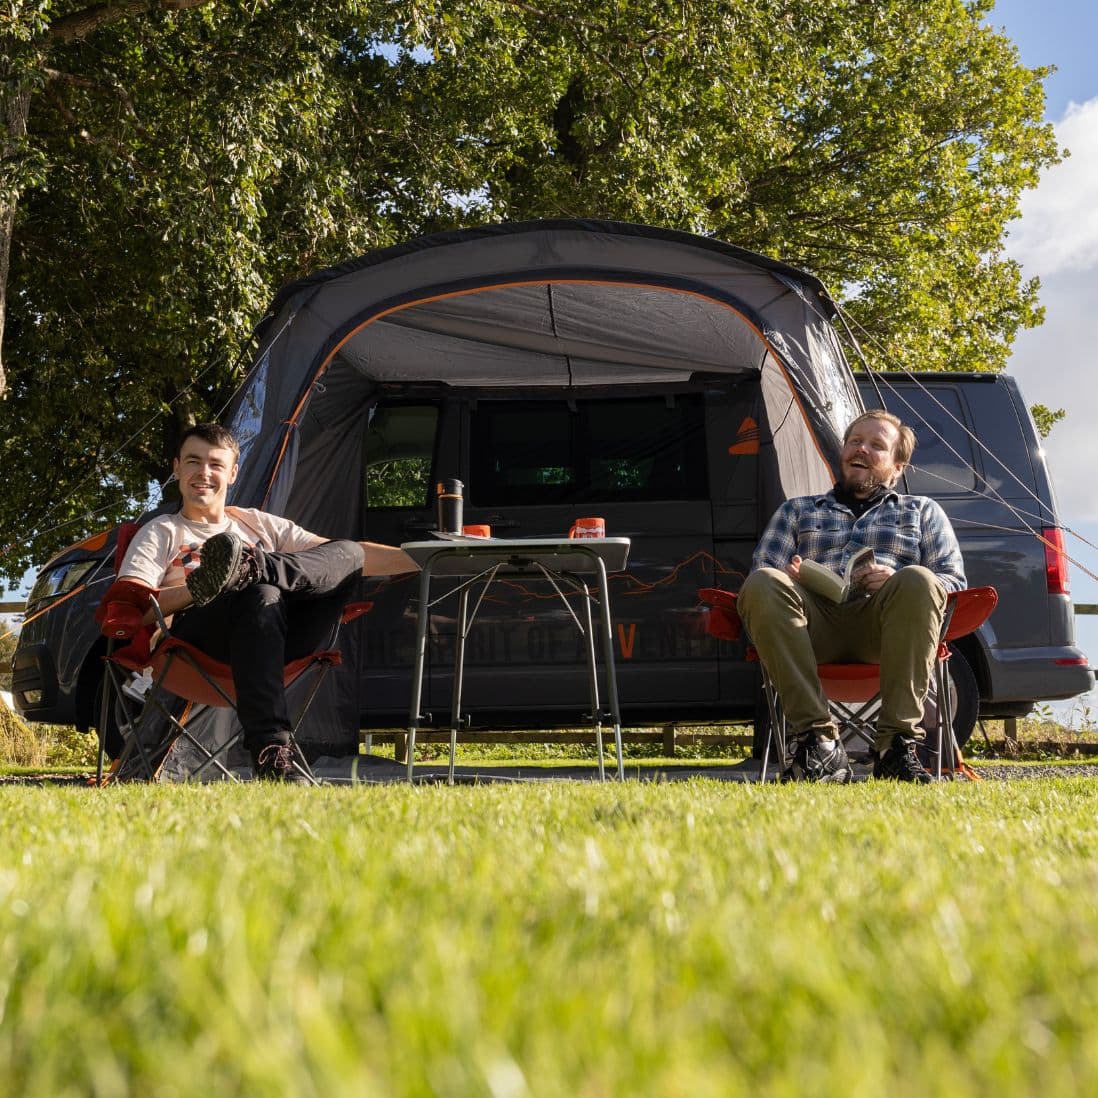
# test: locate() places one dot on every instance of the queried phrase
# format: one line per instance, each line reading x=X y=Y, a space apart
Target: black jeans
x=291 y=611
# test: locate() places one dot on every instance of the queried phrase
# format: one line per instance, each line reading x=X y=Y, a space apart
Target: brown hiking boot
x=227 y=564
x=901 y=763
x=276 y=763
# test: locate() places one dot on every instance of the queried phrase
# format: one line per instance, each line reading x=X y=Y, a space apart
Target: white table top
x=472 y=555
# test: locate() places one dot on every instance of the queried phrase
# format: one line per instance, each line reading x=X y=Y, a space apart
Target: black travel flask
x=451 y=504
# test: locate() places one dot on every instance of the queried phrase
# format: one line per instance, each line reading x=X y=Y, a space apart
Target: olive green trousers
x=898 y=628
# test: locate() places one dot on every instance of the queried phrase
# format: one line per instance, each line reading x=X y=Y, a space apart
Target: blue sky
x=1055 y=32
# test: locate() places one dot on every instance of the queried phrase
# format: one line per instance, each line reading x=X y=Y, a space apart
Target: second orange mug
x=480 y=531
x=588 y=528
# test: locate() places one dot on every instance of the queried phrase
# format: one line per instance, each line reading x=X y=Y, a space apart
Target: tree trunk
x=14 y=108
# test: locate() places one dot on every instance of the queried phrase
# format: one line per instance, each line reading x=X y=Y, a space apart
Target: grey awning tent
x=561 y=305
x=557 y=304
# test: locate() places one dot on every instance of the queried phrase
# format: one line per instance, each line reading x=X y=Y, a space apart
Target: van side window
x=400 y=442
x=550 y=451
x=944 y=458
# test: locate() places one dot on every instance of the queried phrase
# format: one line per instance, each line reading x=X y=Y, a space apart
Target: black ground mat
x=374 y=770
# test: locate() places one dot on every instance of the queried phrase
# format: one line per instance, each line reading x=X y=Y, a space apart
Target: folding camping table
x=566 y=565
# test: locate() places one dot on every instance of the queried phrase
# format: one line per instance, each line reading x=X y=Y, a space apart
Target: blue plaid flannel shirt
x=900 y=530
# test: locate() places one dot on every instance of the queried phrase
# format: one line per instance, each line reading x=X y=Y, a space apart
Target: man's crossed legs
x=258 y=612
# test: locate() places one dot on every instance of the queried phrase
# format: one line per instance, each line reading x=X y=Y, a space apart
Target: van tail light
x=1056 y=562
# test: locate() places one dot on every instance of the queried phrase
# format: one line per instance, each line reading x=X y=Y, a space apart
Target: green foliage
x=1045 y=418
x=27 y=745
x=559 y=939
x=8 y=641
x=401 y=482
x=181 y=165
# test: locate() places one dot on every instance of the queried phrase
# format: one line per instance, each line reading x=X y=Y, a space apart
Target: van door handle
x=498 y=523
x=420 y=524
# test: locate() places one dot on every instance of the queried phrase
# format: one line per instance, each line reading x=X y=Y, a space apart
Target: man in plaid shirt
x=892 y=617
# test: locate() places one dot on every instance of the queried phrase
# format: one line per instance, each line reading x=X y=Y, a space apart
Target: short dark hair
x=905 y=444
x=214 y=435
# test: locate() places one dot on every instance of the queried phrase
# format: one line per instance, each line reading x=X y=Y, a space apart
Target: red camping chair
x=185 y=672
x=853 y=690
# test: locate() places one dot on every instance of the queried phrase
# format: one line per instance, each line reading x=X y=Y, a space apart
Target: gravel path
x=1015 y=771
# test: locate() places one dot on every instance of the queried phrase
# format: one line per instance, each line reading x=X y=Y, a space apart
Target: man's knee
x=763 y=587
x=918 y=584
x=770 y=595
x=345 y=554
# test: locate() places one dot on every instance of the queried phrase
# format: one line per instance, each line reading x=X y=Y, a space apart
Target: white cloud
x=1057 y=364
x=1059 y=226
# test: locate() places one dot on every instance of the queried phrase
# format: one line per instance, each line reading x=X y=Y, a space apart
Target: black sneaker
x=901 y=763
x=227 y=564
x=275 y=763
x=816 y=760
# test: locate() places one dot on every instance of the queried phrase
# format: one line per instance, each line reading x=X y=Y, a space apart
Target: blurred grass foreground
x=695 y=938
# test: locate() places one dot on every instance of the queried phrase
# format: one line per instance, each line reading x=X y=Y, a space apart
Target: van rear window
x=944 y=461
x=572 y=451
x=400 y=442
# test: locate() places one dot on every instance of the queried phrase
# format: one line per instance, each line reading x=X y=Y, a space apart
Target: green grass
x=552 y=939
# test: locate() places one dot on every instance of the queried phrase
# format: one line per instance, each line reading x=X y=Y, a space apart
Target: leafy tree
x=1045 y=418
x=8 y=641
x=184 y=159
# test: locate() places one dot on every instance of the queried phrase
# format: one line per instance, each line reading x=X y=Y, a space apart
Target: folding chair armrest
x=968 y=609
x=122 y=608
x=724 y=619
x=355 y=610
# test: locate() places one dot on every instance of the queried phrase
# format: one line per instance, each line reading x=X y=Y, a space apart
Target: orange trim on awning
x=299 y=408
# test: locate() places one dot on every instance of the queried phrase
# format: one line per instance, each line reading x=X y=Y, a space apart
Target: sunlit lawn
x=553 y=939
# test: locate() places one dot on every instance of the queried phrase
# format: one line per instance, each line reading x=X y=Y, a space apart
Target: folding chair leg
x=777 y=732
x=946 y=739
x=104 y=710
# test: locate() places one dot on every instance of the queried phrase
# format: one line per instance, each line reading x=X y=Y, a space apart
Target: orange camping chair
x=853 y=690
x=151 y=726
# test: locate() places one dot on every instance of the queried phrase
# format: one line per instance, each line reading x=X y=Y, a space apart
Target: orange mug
x=588 y=528
x=477 y=531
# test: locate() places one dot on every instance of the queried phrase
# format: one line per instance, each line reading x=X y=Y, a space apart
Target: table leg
x=593 y=680
x=459 y=675
x=608 y=659
x=417 y=672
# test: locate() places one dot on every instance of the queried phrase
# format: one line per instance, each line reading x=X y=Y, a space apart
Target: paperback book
x=834 y=585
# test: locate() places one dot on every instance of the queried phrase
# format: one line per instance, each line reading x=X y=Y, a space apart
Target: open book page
x=822 y=581
x=447 y=536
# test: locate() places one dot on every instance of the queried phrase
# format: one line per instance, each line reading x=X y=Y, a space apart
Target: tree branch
x=115 y=146
x=79 y=24
x=94 y=85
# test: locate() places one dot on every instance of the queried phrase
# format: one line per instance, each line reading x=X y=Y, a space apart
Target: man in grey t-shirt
x=251 y=589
